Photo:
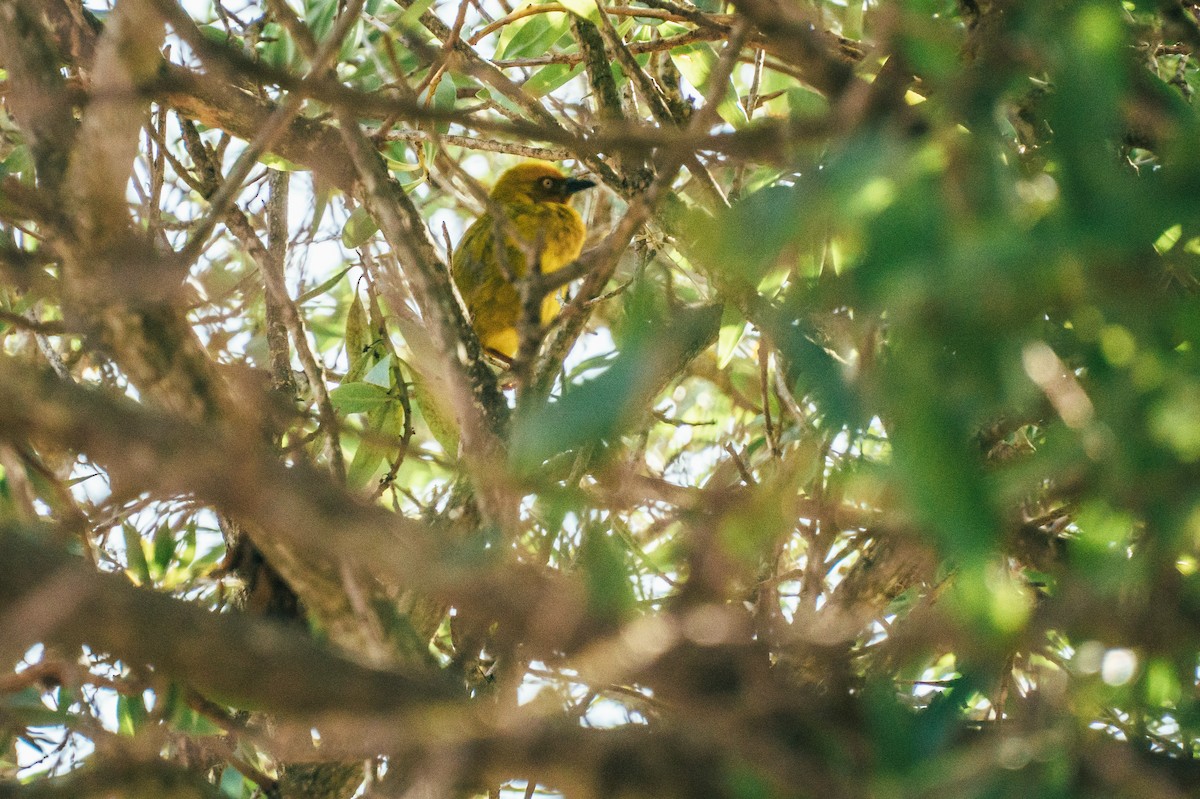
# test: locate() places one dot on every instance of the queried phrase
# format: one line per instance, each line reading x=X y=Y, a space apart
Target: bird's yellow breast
x=551 y=229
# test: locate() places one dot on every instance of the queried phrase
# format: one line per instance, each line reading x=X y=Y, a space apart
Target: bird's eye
x=547 y=183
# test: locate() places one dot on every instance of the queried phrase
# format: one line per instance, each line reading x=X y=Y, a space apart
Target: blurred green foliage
x=900 y=447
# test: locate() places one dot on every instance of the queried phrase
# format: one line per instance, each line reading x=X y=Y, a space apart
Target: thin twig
x=237 y=223
x=298 y=30
x=788 y=399
x=44 y=346
x=33 y=325
x=642 y=83
x=407 y=432
x=636 y=48
x=604 y=259
x=438 y=68
x=619 y=11
x=486 y=145
x=692 y=14
x=752 y=104
x=274 y=126
x=743 y=470
x=764 y=356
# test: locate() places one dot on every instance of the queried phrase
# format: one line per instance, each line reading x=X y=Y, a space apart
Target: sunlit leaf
x=281 y=164
x=533 y=35
x=322 y=287
x=164 y=548
x=359 y=228
x=385 y=423
x=358 y=397
x=131 y=714
x=357 y=335
x=587 y=9
x=135 y=555
x=696 y=62
x=434 y=407
x=733 y=327
x=550 y=77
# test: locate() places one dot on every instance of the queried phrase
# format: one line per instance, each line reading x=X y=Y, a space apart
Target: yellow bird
x=535 y=197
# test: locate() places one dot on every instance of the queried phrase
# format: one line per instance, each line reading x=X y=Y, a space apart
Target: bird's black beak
x=573 y=185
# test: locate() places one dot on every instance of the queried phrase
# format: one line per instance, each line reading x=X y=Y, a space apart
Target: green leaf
x=410 y=20
x=402 y=166
x=806 y=104
x=499 y=99
x=436 y=412
x=135 y=555
x=26 y=708
x=588 y=9
x=19 y=161
x=164 y=548
x=606 y=572
x=733 y=327
x=550 y=77
x=281 y=164
x=188 y=721
x=696 y=62
x=131 y=714
x=216 y=34
x=368 y=359
x=385 y=424
x=532 y=36
x=276 y=47
x=360 y=362
x=359 y=229
x=445 y=95
x=852 y=27
x=366 y=462
x=318 y=290
x=1163 y=687
x=319 y=15
x=813 y=371
x=771 y=213
x=358 y=397
x=322 y=193
x=189 y=544
x=380 y=374
x=932 y=451
x=357 y=336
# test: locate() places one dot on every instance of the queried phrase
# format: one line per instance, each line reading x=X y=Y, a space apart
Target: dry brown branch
x=105 y=612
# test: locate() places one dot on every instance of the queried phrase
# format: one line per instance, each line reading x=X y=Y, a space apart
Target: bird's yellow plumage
x=535 y=198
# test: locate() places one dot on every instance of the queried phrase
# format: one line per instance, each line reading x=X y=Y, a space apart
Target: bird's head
x=536 y=182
